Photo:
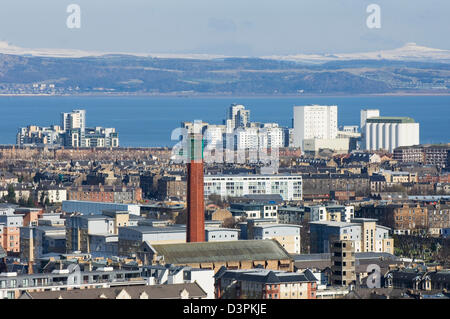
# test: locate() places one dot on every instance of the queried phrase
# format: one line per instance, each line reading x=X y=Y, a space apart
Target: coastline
x=221 y=95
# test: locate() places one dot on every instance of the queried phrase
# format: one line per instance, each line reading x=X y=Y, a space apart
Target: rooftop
x=222 y=251
x=390 y=119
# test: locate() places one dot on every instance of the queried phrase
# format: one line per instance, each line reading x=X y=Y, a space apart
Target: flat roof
x=390 y=119
x=335 y=224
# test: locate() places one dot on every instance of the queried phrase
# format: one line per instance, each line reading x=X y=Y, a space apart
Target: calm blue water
x=149 y=121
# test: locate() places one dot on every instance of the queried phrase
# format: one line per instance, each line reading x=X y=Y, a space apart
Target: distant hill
x=28 y=72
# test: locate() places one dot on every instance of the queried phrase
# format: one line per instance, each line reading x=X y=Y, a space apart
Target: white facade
x=336 y=144
x=314 y=122
x=388 y=135
x=367 y=114
x=288 y=186
x=214 y=135
x=237 y=116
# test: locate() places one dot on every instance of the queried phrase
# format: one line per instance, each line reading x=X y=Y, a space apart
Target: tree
x=181 y=218
x=230 y=222
x=11 y=197
x=30 y=202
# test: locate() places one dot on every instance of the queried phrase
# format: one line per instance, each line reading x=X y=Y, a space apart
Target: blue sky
x=230 y=27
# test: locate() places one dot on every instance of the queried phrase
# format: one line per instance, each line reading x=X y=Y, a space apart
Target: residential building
x=403 y=218
x=237 y=116
x=343 y=265
x=254 y=210
x=330 y=212
x=288 y=186
x=97 y=208
x=10 y=224
x=314 y=122
x=35 y=241
x=364 y=232
x=172 y=275
x=72 y=133
x=71 y=278
x=264 y=284
x=106 y=194
x=132 y=238
x=287 y=235
x=221 y=234
x=175 y=291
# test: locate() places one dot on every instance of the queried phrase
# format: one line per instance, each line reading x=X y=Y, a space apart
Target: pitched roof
x=153 y=292
x=222 y=251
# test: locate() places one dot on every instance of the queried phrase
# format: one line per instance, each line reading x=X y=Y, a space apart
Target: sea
x=147 y=121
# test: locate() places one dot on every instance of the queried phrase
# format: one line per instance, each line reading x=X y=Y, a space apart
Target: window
x=13 y=283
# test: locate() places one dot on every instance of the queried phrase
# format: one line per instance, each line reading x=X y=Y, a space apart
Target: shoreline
x=191 y=96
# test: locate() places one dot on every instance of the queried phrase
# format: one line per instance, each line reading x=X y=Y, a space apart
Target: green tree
x=11 y=197
x=30 y=202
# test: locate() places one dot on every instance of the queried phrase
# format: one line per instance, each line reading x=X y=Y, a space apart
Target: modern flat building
x=364 y=232
x=264 y=284
x=10 y=224
x=132 y=238
x=288 y=186
x=388 y=133
x=330 y=212
x=237 y=116
x=36 y=241
x=13 y=285
x=254 y=210
x=71 y=133
x=287 y=235
x=314 y=122
x=343 y=266
x=221 y=234
x=97 y=208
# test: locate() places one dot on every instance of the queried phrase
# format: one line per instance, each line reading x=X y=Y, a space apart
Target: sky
x=226 y=27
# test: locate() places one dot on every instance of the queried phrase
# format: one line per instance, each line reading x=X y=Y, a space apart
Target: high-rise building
x=74 y=125
x=237 y=116
x=387 y=133
x=314 y=122
x=72 y=133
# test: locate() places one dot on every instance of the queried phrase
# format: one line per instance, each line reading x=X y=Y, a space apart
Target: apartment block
x=364 y=232
x=342 y=262
x=288 y=186
x=264 y=284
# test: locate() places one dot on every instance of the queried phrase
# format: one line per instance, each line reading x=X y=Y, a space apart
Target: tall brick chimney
x=195 y=200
